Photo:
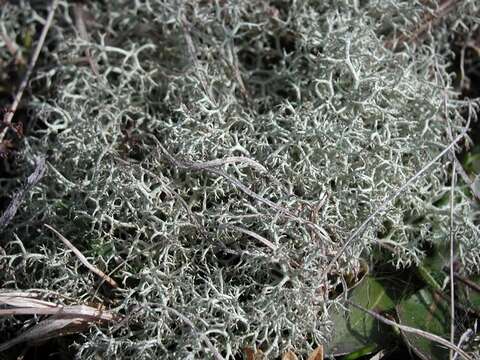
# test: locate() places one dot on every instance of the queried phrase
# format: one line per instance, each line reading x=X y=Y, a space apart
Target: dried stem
x=451 y=235
x=84 y=260
x=452 y=259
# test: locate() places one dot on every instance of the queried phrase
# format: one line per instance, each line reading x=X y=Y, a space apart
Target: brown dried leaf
x=289 y=355
x=251 y=354
x=317 y=354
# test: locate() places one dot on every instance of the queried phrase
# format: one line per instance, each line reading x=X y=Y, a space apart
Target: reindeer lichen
x=222 y=157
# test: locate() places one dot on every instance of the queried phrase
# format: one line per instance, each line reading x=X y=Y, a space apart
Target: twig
x=254 y=195
x=462 y=67
x=230 y=160
x=124 y=262
x=83 y=260
x=201 y=166
x=408 y=329
x=17 y=198
x=360 y=230
x=7 y=120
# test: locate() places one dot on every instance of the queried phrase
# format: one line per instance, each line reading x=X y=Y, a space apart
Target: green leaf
x=28 y=38
x=428 y=276
x=426 y=312
x=369 y=349
x=356 y=330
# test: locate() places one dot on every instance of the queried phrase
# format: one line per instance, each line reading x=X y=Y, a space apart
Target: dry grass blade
x=84 y=260
x=81 y=311
x=452 y=235
x=229 y=160
x=171 y=191
x=380 y=355
x=21 y=301
x=63 y=320
x=26 y=294
x=424 y=334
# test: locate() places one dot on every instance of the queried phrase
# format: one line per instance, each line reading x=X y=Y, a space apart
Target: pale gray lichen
x=306 y=89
